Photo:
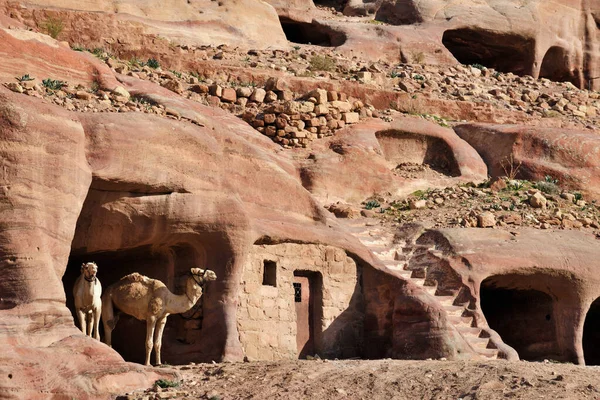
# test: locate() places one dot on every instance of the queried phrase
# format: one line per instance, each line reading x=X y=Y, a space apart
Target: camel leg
x=108 y=320
x=82 y=321
x=150 y=325
x=96 y=315
x=160 y=326
x=89 y=319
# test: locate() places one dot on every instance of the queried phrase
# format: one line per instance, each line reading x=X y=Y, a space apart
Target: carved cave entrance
x=522 y=316
x=167 y=263
x=591 y=335
x=413 y=154
x=311 y=33
x=504 y=52
x=308 y=300
x=556 y=66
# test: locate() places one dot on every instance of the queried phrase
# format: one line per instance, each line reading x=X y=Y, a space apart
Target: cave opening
x=413 y=154
x=522 y=316
x=121 y=246
x=504 y=52
x=311 y=33
x=591 y=335
x=556 y=66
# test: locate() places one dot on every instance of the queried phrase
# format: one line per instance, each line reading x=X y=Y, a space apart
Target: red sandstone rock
x=360 y=160
x=563 y=154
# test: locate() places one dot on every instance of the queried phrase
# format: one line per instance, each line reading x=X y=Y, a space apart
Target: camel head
x=89 y=271
x=203 y=275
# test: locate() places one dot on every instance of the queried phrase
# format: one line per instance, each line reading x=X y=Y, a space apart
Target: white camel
x=88 y=304
x=149 y=300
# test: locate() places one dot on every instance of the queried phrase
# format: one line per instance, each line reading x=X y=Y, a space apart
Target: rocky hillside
x=437 y=147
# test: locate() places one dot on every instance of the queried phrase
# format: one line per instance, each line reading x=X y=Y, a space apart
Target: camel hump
x=136 y=277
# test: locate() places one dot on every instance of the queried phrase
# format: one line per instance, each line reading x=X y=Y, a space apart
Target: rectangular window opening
x=269 y=273
x=297 y=292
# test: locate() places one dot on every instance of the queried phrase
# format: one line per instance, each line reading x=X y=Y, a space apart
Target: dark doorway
x=556 y=66
x=522 y=317
x=311 y=33
x=308 y=304
x=591 y=335
x=504 y=52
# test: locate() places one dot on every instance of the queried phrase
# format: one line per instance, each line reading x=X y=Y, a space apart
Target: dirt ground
x=382 y=379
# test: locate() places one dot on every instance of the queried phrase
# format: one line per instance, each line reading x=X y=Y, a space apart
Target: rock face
x=567 y=155
x=365 y=159
x=508 y=37
x=246 y=23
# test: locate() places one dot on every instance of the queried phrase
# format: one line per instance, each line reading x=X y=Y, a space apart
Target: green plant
x=176 y=73
x=78 y=47
x=420 y=194
x=25 y=78
x=547 y=187
x=549 y=179
x=578 y=196
x=164 y=383
x=152 y=63
x=375 y=22
x=135 y=62
x=101 y=53
x=417 y=57
x=322 y=63
x=372 y=204
x=497 y=74
x=53 y=26
x=478 y=66
x=394 y=74
x=296 y=48
x=53 y=84
x=418 y=77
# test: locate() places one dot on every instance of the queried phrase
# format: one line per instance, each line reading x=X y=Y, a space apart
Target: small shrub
x=372 y=204
x=53 y=84
x=549 y=179
x=78 y=47
x=418 y=77
x=153 y=63
x=418 y=57
x=578 y=196
x=510 y=166
x=296 y=48
x=53 y=26
x=547 y=187
x=322 y=63
x=164 y=383
x=25 y=78
x=478 y=66
x=176 y=73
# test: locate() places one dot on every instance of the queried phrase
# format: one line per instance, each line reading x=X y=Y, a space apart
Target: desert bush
x=510 y=167
x=153 y=63
x=322 y=63
x=164 y=383
x=547 y=187
x=53 y=84
x=418 y=57
x=53 y=26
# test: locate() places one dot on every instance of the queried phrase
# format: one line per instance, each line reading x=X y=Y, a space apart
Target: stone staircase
x=396 y=257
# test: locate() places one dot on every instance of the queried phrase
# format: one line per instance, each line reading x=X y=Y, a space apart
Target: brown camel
x=149 y=300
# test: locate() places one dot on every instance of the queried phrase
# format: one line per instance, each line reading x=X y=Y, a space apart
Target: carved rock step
x=488 y=353
x=469 y=331
x=454 y=310
x=446 y=301
x=459 y=321
x=477 y=343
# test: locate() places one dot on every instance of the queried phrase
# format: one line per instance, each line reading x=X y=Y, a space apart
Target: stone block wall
x=267 y=315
